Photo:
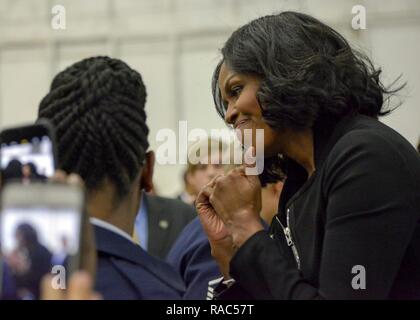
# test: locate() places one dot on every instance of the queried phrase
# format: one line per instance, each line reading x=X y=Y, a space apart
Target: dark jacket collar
x=326 y=136
x=115 y=245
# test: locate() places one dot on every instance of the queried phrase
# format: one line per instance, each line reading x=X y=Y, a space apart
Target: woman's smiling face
x=242 y=109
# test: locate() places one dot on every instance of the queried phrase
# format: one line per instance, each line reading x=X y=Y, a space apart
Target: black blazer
x=355 y=223
x=125 y=271
x=166 y=219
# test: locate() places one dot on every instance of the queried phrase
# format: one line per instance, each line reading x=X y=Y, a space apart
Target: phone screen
x=27 y=160
x=34 y=240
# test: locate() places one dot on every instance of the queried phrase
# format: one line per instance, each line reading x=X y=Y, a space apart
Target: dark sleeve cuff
x=248 y=249
x=233 y=292
x=260 y=261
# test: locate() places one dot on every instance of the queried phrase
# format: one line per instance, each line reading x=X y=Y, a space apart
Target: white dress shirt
x=105 y=225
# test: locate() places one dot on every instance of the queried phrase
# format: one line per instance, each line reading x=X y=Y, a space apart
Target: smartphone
x=40 y=233
x=27 y=153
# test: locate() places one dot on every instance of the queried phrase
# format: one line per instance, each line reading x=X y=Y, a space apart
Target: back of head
x=28 y=234
x=97 y=108
x=13 y=170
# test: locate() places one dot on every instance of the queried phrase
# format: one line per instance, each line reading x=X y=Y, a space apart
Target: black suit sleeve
x=372 y=211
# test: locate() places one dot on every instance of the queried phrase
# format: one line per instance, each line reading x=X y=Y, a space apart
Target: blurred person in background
x=159 y=222
x=30 y=173
x=61 y=257
x=29 y=262
x=187 y=194
x=13 y=170
x=204 y=168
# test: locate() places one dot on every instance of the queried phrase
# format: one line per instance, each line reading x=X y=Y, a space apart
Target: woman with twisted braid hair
x=97 y=108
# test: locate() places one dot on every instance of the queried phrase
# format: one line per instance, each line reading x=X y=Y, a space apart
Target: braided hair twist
x=97 y=108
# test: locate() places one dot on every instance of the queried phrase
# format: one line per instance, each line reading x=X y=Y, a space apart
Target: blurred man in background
x=205 y=167
x=159 y=221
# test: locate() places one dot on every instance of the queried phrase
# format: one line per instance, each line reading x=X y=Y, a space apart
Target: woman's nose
x=231 y=114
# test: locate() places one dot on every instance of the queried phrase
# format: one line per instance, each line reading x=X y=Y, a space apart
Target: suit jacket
x=125 y=271
x=166 y=219
x=191 y=257
x=353 y=226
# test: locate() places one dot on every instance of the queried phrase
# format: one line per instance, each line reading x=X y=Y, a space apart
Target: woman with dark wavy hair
x=348 y=225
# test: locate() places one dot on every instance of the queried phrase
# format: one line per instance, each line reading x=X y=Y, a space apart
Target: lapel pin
x=163 y=224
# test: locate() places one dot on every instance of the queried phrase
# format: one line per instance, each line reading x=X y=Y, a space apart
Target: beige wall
x=174 y=44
